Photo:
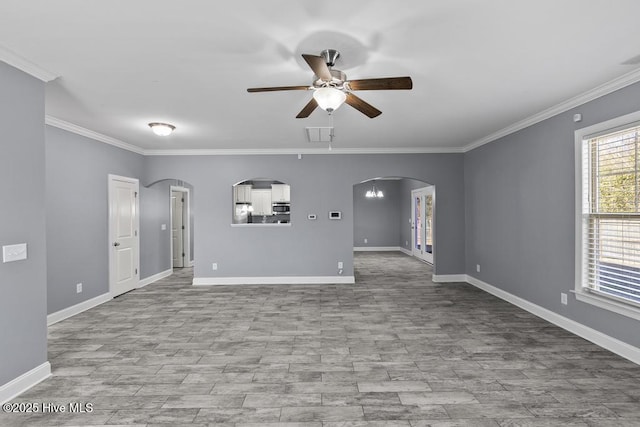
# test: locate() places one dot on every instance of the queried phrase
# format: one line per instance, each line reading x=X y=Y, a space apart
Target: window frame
x=612 y=303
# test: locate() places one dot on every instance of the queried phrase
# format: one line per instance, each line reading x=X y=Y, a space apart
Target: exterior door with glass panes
x=422 y=222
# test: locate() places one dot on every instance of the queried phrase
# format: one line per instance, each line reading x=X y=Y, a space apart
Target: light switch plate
x=14 y=252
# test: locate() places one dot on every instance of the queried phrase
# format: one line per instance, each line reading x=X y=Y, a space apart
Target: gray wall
x=76 y=194
x=319 y=183
x=377 y=220
x=23 y=304
x=520 y=213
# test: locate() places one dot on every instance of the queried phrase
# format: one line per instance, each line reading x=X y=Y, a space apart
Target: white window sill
x=608 y=304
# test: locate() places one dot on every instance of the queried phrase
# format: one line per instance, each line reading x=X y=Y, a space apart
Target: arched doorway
x=395 y=214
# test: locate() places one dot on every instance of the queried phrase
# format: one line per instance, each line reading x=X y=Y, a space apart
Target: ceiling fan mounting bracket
x=330 y=56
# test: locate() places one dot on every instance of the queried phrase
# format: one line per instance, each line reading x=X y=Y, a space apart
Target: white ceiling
x=478 y=66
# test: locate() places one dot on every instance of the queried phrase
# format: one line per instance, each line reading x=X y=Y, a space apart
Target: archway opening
x=395 y=214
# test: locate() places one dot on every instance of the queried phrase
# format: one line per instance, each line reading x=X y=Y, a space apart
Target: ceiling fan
x=331 y=87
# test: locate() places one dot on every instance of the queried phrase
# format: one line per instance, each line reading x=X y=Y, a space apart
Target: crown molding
x=79 y=130
x=597 y=92
x=25 y=65
x=288 y=151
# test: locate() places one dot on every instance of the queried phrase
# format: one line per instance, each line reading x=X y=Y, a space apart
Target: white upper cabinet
x=261 y=202
x=242 y=193
x=280 y=193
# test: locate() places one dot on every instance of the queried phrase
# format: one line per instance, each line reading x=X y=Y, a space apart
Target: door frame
x=186 y=216
x=111 y=179
x=423 y=192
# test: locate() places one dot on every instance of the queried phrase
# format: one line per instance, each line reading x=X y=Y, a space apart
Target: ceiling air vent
x=319 y=134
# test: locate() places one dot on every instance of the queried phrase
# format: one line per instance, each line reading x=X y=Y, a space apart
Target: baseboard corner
x=24 y=382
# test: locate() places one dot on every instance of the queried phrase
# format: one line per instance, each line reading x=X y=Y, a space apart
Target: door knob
x=116 y=244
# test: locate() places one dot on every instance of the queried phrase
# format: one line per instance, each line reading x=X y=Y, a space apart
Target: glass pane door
x=428 y=224
x=417 y=229
x=422 y=223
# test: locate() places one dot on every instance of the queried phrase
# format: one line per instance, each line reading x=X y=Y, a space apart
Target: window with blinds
x=611 y=215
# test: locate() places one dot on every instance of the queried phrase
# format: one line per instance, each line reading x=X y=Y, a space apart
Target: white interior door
x=177 y=228
x=429 y=207
x=422 y=223
x=124 y=241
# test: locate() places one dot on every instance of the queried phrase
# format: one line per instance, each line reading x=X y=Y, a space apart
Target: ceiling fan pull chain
x=331 y=132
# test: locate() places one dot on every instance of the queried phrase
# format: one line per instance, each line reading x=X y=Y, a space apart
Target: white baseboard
x=100 y=299
x=405 y=251
x=605 y=341
x=78 y=308
x=376 y=248
x=24 y=382
x=283 y=280
x=449 y=278
x=148 y=280
x=382 y=249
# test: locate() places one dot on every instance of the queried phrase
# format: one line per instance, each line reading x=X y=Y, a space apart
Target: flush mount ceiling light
x=162 y=129
x=373 y=193
x=329 y=98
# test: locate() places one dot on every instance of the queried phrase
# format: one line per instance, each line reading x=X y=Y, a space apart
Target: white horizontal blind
x=611 y=215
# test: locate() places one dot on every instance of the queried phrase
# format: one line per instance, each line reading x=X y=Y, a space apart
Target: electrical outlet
x=14 y=252
x=340 y=264
x=406 y=243
x=366 y=240
x=563 y=298
x=79 y=288
x=478 y=268
x=214 y=266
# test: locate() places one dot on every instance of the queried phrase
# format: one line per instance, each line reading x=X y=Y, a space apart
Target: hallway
x=394 y=349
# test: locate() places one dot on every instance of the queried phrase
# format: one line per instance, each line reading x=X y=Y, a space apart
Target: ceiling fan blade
x=318 y=66
x=362 y=106
x=388 y=83
x=276 y=88
x=308 y=109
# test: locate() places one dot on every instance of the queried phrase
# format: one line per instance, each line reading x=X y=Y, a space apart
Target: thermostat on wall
x=335 y=215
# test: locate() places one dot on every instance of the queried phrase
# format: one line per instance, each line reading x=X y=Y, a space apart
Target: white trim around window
x=582 y=292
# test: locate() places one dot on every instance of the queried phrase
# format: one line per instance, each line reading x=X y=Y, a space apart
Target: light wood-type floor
x=394 y=349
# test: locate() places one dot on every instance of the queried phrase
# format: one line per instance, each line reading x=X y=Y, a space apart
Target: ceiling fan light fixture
x=162 y=129
x=329 y=98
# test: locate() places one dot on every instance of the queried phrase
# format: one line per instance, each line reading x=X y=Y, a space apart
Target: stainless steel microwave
x=281 y=208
